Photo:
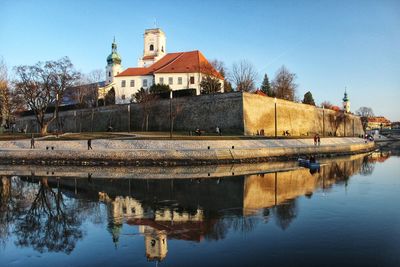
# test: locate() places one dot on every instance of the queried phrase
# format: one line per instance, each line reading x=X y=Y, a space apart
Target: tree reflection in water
x=13 y=202
x=285 y=213
x=49 y=224
x=367 y=167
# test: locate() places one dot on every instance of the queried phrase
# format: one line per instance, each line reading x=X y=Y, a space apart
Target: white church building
x=179 y=70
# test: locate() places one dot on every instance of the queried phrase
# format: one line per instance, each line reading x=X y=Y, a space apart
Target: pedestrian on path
x=32 y=142
x=315 y=140
x=319 y=140
x=89 y=144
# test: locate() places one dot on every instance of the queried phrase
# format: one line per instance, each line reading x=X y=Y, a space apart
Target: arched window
x=162 y=48
x=151 y=47
x=109 y=74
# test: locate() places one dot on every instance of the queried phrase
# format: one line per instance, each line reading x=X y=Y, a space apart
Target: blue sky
x=330 y=45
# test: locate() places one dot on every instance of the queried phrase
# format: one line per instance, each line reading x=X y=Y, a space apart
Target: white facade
x=154 y=47
x=127 y=86
x=111 y=71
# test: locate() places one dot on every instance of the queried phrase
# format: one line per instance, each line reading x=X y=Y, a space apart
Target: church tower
x=154 y=47
x=346 y=102
x=113 y=64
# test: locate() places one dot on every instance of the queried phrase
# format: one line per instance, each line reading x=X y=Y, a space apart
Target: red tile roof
x=378 y=119
x=181 y=62
x=259 y=92
x=134 y=72
x=148 y=57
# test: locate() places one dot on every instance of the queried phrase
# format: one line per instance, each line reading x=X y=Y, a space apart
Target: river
x=268 y=214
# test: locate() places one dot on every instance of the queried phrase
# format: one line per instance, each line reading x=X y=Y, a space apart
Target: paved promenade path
x=172 y=152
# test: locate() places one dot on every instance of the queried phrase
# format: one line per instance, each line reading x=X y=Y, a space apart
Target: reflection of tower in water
x=155 y=225
x=119 y=209
x=155 y=243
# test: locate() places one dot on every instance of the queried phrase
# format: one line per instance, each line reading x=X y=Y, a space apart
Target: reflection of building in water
x=154 y=225
x=155 y=243
x=379 y=156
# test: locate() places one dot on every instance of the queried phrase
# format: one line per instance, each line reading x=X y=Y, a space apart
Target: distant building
x=180 y=70
x=395 y=125
x=378 y=123
x=346 y=102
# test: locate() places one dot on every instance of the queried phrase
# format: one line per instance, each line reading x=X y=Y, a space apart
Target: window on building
x=191 y=79
x=170 y=80
x=132 y=83
x=145 y=83
x=109 y=74
x=179 y=80
x=161 y=80
x=123 y=83
x=151 y=47
x=123 y=97
x=162 y=48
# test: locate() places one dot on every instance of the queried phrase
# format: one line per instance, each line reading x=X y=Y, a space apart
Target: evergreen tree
x=266 y=87
x=159 y=88
x=308 y=99
x=210 y=85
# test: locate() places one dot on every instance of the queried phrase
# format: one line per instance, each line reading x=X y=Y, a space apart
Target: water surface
x=345 y=214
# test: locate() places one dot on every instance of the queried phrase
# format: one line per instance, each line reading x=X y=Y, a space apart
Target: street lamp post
x=170 y=114
x=344 y=124
x=323 y=120
x=129 y=117
x=276 y=122
x=58 y=121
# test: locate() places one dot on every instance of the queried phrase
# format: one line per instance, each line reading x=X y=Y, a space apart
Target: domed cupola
x=114 y=57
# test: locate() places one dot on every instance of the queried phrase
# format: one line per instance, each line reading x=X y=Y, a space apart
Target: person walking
x=89 y=144
x=319 y=140
x=32 y=142
x=315 y=140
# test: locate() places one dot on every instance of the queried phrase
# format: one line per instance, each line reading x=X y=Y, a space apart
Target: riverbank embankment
x=173 y=152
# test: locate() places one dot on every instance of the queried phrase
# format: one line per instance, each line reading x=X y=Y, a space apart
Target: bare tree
x=220 y=67
x=283 y=85
x=327 y=105
x=96 y=76
x=4 y=94
x=244 y=76
x=86 y=93
x=336 y=120
x=365 y=112
x=43 y=85
x=145 y=99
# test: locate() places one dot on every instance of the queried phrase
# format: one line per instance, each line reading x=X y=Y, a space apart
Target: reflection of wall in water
x=270 y=189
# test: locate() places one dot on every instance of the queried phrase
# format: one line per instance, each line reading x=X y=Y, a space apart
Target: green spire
x=114 y=57
x=345 y=98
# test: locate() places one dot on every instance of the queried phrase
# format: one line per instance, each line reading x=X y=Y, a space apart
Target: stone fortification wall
x=233 y=112
x=188 y=113
x=298 y=119
x=205 y=112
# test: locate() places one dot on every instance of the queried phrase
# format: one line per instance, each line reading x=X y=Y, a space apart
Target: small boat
x=307 y=164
